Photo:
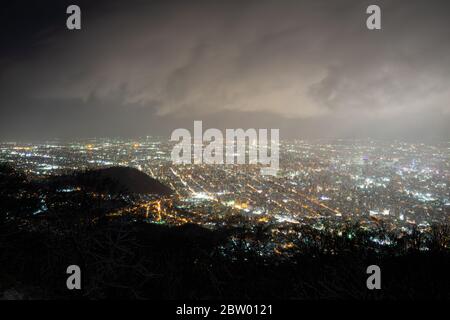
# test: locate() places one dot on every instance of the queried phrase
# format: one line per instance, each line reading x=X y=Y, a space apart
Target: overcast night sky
x=310 y=68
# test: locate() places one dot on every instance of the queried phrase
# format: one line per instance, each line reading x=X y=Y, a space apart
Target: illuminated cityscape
x=399 y=185
x=236 y=150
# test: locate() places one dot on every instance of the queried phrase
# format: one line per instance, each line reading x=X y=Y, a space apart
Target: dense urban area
x=399 y=185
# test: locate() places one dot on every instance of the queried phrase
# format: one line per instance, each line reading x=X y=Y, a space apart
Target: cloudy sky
x=310 y=68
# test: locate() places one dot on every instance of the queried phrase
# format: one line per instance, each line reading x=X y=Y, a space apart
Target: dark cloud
x=310 y=68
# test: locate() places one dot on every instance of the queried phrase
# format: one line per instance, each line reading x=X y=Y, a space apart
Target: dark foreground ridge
x=125 y=258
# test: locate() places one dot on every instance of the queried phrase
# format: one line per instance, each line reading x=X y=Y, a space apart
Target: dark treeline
x=42 y=232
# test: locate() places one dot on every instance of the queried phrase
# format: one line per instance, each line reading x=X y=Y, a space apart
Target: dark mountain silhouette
x=115 y=180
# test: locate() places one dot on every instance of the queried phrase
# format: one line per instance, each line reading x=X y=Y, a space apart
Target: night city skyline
x=201 y=152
